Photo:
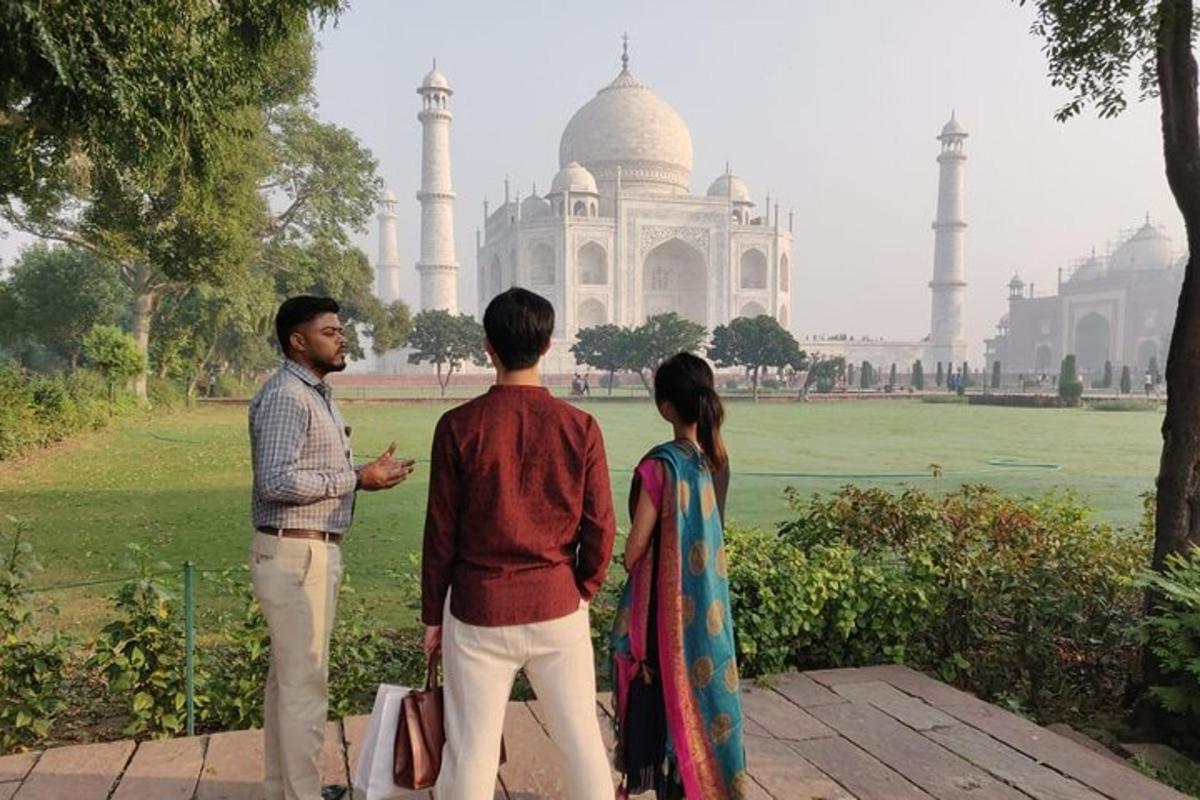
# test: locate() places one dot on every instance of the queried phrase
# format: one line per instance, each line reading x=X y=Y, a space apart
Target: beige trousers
x=480 y=664
x=296 y=582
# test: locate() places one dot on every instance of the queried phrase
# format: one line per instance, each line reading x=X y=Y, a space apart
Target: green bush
x=918 y=376
x=140 y=654
x=1126 y=380
x=1173 y=635
x=1126 y=404
x=37 y=410
x=228 y=385
x=946 y=399
x=31 y=658
x=164 y=393
x=1026 y=602
x=1017 y=400
x=1070 y=388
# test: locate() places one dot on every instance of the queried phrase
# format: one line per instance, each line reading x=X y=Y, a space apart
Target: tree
x=114 y=354
x=941 y=376
x=1126 y=380
x=1091 y=52
x=1070 y=388
x=603 y=347
x=892 y=376
x=966 y=376
x=657 y=339
x=392 y=328
x=995 y=374
x=58 y=295
x=446 y=341
x=756 y=343
x=866 y=375
x=918 y=376
x=116 y=139
x=1107 y=381
x=1155 y=375
x=823 y=373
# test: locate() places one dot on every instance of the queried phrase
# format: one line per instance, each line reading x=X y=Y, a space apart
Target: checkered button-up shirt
x=303 y=468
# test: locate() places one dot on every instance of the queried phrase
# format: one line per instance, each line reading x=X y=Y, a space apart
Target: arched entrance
x=1044 y=359
x=593 y=265
x=674 y=278
x=754 y=270
x=1092 y=334
x=783 y=317
x=752 y=310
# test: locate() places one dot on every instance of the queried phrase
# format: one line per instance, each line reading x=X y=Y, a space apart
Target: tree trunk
x=754 y=381
x=612 y=374
x=144 y=300
x=441 y=385
x=1177 y=517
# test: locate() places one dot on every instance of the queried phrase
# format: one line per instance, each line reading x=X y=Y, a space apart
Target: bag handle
x=431 y=676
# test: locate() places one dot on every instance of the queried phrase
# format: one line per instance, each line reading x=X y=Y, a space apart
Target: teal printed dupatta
x=697 y=662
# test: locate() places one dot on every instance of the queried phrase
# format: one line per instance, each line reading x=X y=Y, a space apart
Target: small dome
x=1088 y=270
x=434 y=79
x=389 y=196
x=573 y=178
x=534 y=207
x=1016 y=282
x=1149 y=248
x=952 y=128
x=729 y=185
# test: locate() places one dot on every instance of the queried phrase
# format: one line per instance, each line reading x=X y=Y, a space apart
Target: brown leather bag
x=420 y=735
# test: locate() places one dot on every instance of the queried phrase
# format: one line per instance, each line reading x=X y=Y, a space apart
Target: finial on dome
x=624 y=51
x=435 y=62
x=727 y=170
x=1147 y=217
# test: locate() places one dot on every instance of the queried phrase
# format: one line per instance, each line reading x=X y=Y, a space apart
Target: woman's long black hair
x=687 y=381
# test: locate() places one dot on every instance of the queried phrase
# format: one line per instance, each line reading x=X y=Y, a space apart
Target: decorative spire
x=624 y=52
x=435 y=63
x=727 y=170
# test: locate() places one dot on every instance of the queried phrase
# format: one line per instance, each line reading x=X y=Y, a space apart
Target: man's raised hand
x=385 y=471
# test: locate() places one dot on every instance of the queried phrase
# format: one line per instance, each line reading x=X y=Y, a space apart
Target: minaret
x=387 y=268
x=949 y=273
x=438 y=267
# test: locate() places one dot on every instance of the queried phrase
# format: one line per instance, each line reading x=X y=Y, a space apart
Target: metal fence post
x=189 y=636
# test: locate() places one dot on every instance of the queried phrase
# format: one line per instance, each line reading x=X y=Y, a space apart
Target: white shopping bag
x=373 y=773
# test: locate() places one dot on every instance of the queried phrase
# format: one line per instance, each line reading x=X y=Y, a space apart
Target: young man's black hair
x=295 y=311
x=518 y=323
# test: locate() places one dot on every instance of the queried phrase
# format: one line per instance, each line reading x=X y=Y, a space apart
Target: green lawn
x=180 y=483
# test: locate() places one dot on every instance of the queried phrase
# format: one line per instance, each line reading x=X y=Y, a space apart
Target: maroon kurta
x=520 y=521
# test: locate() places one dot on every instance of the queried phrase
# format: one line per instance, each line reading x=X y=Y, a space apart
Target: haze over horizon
x=832 y=109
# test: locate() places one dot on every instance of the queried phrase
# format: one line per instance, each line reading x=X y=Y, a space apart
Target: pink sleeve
x=650 y=471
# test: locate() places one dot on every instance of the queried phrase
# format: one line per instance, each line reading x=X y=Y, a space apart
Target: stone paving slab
x=81 y=772
x=165 y=770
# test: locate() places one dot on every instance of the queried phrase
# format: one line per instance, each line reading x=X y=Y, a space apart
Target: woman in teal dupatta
x=679 y=714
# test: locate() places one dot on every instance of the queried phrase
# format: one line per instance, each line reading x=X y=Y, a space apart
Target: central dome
x=627 y=125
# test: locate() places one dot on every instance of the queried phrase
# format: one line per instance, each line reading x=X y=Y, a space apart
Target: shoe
x=333 y=792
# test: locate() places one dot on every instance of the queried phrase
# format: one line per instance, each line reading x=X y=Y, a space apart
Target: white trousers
x=480 y=664
x=296 y=583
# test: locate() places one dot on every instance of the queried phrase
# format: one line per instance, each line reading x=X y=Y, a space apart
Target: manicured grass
x=179 y=483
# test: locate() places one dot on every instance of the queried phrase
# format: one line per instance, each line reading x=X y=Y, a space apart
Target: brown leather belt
x=300 y=533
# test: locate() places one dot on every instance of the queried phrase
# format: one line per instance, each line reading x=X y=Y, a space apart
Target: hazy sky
x=833 y=108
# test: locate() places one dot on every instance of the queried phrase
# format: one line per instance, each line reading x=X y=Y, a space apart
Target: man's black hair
x=519 y=323
x=295 y=311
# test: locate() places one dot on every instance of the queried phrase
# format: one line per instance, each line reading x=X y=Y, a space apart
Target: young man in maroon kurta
x=518 y=536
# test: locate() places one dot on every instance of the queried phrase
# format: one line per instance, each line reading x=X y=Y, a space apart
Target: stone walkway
x=876 y=733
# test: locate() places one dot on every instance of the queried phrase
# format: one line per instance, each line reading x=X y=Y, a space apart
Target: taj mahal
x=621 y=236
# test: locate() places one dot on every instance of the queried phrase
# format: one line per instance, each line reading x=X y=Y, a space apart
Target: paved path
x=875 y=733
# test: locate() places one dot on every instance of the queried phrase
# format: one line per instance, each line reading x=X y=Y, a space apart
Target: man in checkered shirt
x=304 y=488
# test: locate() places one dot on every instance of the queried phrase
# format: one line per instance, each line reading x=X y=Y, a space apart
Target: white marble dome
x=728 y=185
x=1091 y=269
x=1149 y=248
x=573 y=178
x=953 y=128
x=627 y=125
x=389 y=196
x=434 y=79
x=534 y=207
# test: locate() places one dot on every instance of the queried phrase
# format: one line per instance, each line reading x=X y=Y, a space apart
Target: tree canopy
x=756 y=343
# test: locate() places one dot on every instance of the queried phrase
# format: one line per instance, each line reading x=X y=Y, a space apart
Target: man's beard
x=335 y=364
